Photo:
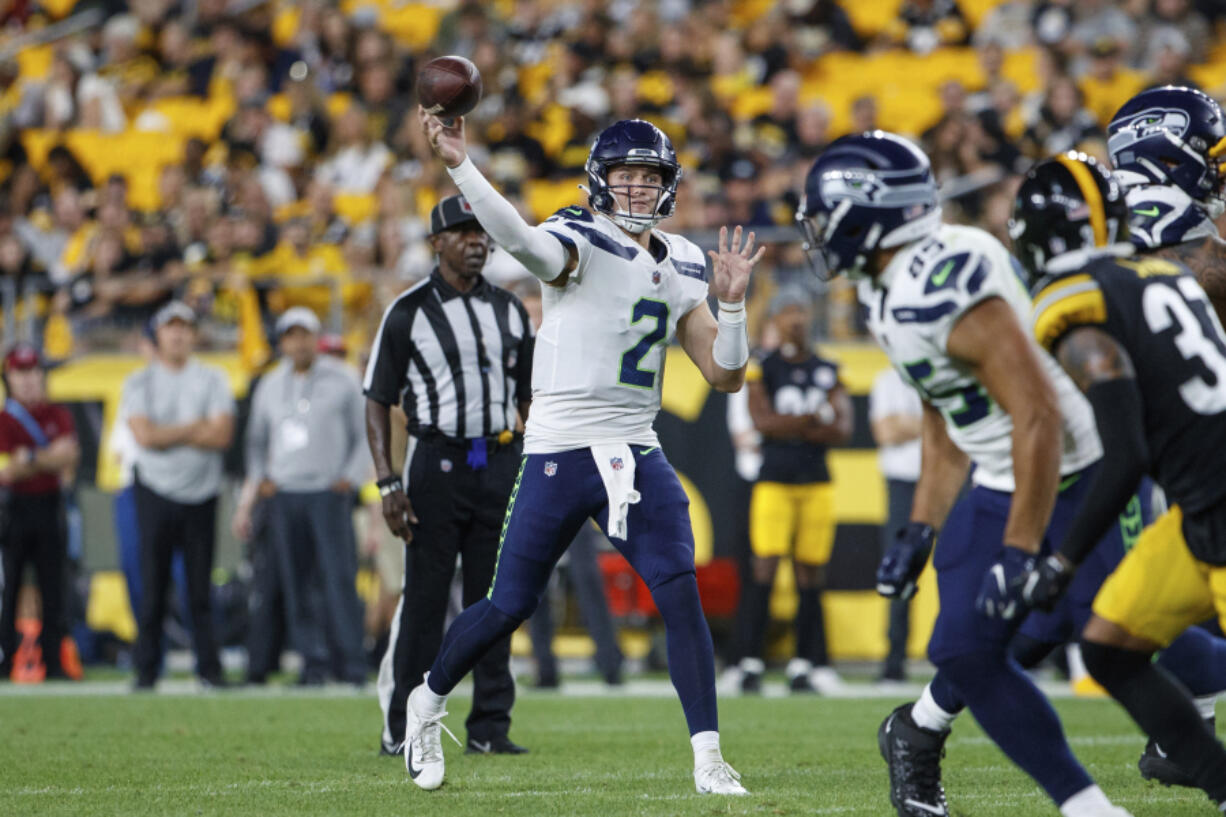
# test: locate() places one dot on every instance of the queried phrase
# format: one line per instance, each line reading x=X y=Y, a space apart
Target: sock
x=706 y=748
x=1163 y=710
x=1089 y=802
x=1018 y=719
x=691 y=655
x=811 y=627
x=930 y=715
x=426 y=701
x=468 y=638
x=798 y=667
x=1197 y=660
x=755 y=613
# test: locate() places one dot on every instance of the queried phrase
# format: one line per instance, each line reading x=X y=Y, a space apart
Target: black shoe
x=1155 y=765
x=547 y=680
x=494 y=746
x=144 y=684
x=751 y=683
x=395 y=750
x=913 y=756
x=801 y=684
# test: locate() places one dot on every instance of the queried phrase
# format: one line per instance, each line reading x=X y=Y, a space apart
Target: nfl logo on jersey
x=655 y=277
x=617 y=463
x=551 y=468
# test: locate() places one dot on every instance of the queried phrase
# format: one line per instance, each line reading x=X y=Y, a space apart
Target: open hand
x=732 y=265
x=446 y=140
x=399 y=515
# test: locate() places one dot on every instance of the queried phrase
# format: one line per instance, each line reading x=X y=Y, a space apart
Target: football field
x=242 y=753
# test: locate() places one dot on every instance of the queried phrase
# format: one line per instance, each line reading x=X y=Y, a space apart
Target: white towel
x=615 y=463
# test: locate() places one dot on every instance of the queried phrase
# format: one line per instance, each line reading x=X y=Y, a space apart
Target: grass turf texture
x=233 y=755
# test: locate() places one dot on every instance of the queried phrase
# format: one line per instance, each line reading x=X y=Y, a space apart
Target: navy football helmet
x=1067 y=207
x=632 y=142
x=1172 y=136
x=865 y=192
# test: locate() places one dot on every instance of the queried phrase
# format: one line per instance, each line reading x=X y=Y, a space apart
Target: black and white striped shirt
x=460 y=363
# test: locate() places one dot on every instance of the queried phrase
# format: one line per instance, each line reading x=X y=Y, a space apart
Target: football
x=449 y=86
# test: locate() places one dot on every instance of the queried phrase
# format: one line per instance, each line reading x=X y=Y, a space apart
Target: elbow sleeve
x=534 y=247
x=1118 y=410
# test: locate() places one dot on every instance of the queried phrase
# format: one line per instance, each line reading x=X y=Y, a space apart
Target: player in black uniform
x=1141 y=339
x=799 y=407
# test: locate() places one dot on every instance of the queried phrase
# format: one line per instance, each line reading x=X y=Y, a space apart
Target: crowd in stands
x=252 y=156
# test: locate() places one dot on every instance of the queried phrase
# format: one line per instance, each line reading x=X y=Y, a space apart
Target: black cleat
x=751 y=683
x=494 y=746
x=913 y=756
x=1155 y=765
x=800 y=684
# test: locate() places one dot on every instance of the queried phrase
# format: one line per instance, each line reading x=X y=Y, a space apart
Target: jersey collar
x=446 y=291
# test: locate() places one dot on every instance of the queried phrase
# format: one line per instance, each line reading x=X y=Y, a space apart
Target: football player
x=948 y=308
x=1167 y=145
x=1141 y=339
x=617 y=291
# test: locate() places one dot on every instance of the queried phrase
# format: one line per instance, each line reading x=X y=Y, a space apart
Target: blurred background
x=250 y=156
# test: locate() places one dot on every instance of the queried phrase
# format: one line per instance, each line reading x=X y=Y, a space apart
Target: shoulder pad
x=572 y=213
x=1065 y=302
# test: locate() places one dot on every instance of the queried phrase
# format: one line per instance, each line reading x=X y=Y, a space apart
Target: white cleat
x=423 y=747
x=717 y=777
x=826 y=681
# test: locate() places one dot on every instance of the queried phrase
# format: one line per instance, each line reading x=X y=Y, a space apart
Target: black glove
x=904 y=561
x=1047 y=582
x=1000 y=595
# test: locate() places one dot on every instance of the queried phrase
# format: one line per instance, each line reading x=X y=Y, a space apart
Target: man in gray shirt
x=181 y=413
x=306 y=454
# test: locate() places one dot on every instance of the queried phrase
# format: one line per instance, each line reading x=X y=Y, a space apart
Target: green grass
x=238 y=755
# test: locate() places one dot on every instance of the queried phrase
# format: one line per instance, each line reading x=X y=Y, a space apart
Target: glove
x=905 y=560
x=1046 y=583
x=1000 y=595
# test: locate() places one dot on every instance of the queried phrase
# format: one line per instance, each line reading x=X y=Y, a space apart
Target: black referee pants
x=164 y=526
x=34 y=534
x=460 y=512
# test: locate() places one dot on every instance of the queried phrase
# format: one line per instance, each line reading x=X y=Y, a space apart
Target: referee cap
x=298 y=317
x=450 y=212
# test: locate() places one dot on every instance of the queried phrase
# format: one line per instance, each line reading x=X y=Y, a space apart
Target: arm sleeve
x=1118 y=412
x=389 y=359
x=534 y=247
x=257 y=433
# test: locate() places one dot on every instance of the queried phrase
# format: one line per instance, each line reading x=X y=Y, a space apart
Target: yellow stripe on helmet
x=1093 y=196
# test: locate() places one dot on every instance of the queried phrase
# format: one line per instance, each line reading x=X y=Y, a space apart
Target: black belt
x=492 y=441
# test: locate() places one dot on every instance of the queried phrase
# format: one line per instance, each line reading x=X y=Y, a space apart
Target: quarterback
x=616 y=292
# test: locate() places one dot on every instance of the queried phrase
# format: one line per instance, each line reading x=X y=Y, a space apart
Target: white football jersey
x=599 y=360
x=914 y=306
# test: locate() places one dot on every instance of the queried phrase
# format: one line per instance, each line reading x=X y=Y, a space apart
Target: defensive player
x=616 y=292
x=948 y=308
x=1140 y=338
x=799 y=407
x=1167 y=145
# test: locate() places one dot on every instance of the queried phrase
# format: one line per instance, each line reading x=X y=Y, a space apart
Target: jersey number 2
x=631 y=374
x=1198 y=329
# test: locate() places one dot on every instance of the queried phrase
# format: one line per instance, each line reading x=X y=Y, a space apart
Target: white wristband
x=731 y=348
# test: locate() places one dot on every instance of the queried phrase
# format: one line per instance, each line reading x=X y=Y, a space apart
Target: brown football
x=449 y=86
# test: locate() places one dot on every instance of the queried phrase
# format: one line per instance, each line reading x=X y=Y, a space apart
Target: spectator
x=39 y=446
x=1168 y=59
x=181 y=413
x=922 y=26
x=1063 y=122
x=307 y=457
x=357 y=161
x=895 y=412
x=1108 y=85
x=1173 y=15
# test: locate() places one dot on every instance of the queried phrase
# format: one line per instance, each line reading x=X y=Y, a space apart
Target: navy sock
x=755 y=614
x=811 y=627
x=1198 y=660
x=1016 y=716
x=691 y=655
x=468 y=638
x=945 y=695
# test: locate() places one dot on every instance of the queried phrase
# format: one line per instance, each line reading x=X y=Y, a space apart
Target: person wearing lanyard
x=181 y=413
x=456 y=351
x=306 y=455
x=39 y=442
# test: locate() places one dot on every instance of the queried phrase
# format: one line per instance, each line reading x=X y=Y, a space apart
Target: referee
x=456 y=352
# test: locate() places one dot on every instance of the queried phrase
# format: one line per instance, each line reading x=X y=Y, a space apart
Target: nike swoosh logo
x=924 y=806
x=942 y=274
x=1068 y=482
x=647 y=451
x=483 y=748
x=413 y=772
x=1151 y=212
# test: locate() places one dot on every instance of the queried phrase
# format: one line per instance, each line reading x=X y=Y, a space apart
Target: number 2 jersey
x=1158 y=312
x=913 y=307
x=599 y=361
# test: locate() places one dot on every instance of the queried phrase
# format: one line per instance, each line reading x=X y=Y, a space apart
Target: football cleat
x=1155 y=765
x=423 y=746
x=826 y=681
x=913 y=756
x=798 y=672
x=717 y=777
x=494 y=746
